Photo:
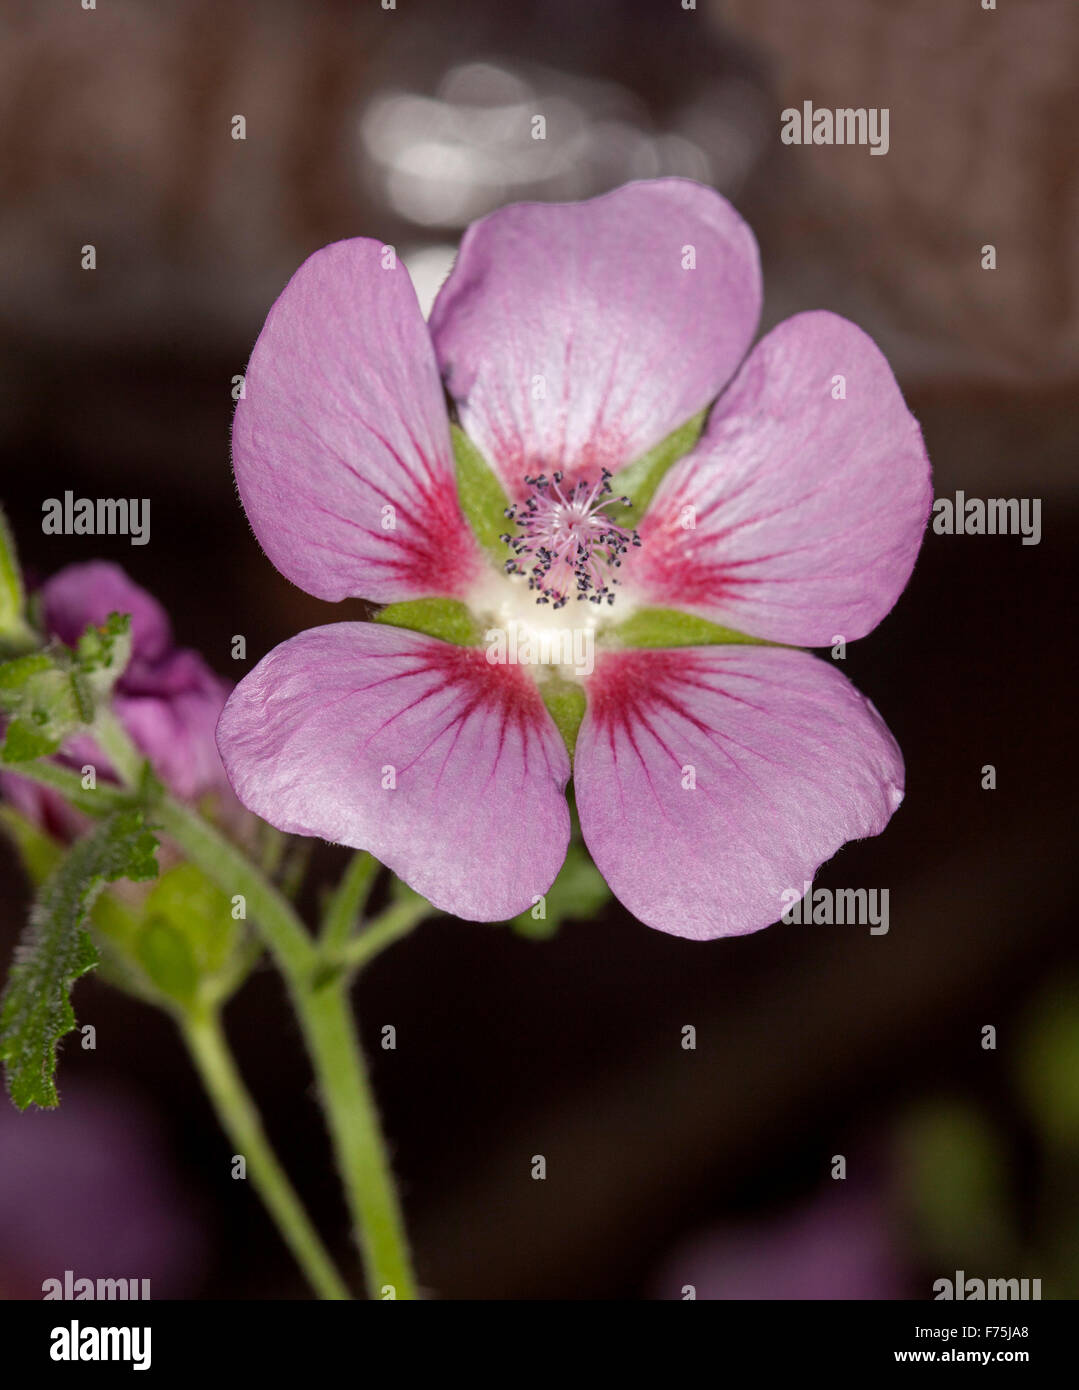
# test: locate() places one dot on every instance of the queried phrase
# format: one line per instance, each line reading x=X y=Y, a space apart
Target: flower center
x=566 y=545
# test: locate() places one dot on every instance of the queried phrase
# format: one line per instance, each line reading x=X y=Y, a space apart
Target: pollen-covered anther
x=566 y=544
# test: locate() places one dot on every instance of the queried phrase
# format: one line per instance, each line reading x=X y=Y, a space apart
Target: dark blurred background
x=666 y=1166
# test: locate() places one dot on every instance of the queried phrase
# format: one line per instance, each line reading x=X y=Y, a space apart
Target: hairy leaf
x=36 y=1009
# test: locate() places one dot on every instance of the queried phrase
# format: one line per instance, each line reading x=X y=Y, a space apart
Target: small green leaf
x=482 y=497
x=447 y=618
x=40 y=695
x=577 y=893
x=36 y=1011
x=566 y=703
x=639 y=480
x=15 y=674
x=667 y=627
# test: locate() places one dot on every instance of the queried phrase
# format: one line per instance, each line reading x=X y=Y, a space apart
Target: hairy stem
x=236 y=1112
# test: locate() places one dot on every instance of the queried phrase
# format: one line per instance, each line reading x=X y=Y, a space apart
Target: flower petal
x=571 y=335
x=341 y=442
x=786 y=759
x=171 y=711
x=807 y=510
x=476 y=821
x=79 y=595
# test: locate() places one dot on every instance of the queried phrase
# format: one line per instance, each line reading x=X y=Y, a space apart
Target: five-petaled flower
x=574 y=339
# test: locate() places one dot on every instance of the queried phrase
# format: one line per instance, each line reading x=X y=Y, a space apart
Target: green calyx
x=669 y=627
x=482 y=497
x=446 y=618
x=639 y=480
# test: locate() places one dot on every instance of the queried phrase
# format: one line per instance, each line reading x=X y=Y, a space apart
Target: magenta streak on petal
x=475 y=819
x=575 y=337
x=341 y=442
x=785 y=761
x=806 y=509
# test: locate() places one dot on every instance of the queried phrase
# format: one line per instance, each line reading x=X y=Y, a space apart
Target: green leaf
x=13 y=627
x=577 y=893
x=49 y=694
x=41 y=698
x=640 y=480
x=36 y=1011
x=482 y=497
x=566 y=703
x=447 y=618
x=667 y=627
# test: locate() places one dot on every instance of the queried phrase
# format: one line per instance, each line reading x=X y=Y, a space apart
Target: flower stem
x=206 y=1042
x=389 y=926
x=321 y=1001
x=327 y=1023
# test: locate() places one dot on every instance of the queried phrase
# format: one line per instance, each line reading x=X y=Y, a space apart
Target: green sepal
x=446 y=618
x=566 y=704
x=577 y=893
x=55 y=951
x=638 y=481
x=482 y=497
x=667 y=627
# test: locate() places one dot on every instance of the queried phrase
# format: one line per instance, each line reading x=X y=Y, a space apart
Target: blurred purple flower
x=839 y=1245
x=91 y=1187
x=575 y=338
x=167 y=699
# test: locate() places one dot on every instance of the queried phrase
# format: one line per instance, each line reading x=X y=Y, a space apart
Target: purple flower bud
x=167 y=699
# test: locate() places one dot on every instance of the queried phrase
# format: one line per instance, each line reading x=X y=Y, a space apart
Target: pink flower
x=573 y=339
x=168 y=699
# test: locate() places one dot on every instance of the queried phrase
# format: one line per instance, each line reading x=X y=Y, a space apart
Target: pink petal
x=344 y=417
x=171 y=714
x=590 y=303
x=477 y=821
x=789 y=762
x=79 y=595
x=808 y=511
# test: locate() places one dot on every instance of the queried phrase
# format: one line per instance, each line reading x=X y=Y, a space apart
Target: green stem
x=327 y=1023
x=389 y=926
x=322 y=1007
x=113 y=741
x=347 y=901
x=104 y=798
x=240 y=1120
